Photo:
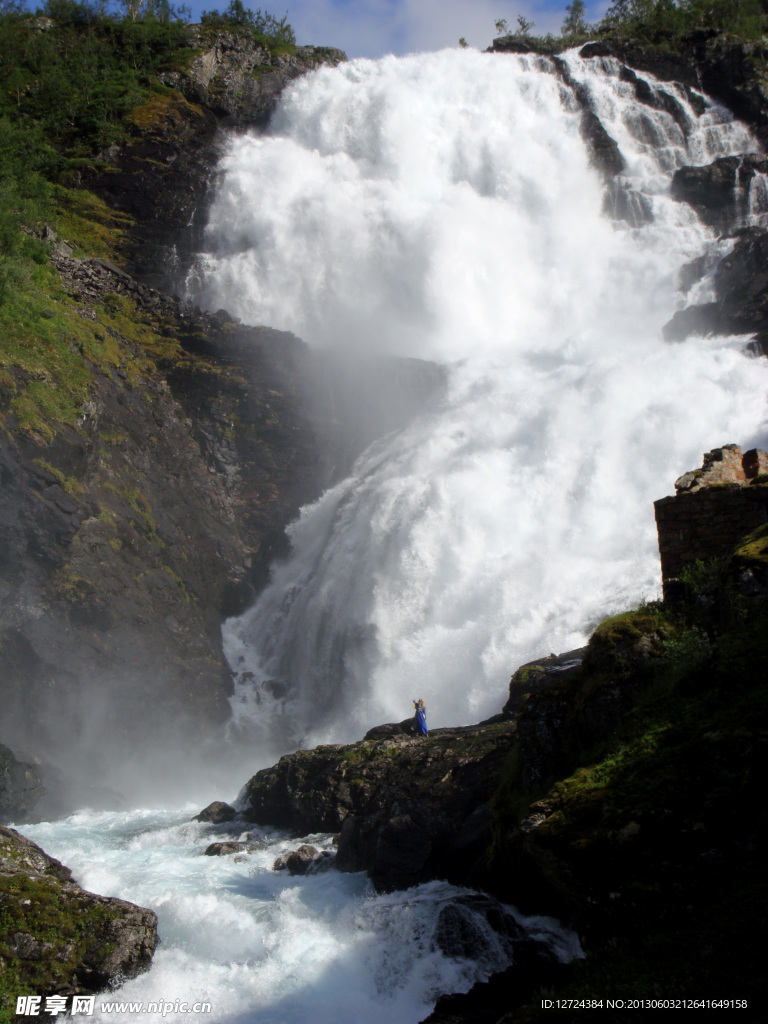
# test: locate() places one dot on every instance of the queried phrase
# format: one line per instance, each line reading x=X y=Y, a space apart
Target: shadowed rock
x=21 y=786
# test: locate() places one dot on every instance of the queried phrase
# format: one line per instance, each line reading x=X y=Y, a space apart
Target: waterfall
x=445 y=206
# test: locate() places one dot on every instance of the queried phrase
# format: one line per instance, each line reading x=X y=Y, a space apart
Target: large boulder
x=216 y=813
x=407 y=808
x=58 y=939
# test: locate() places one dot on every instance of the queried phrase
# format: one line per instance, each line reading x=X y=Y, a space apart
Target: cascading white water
x=260 y=948
x=444 y=206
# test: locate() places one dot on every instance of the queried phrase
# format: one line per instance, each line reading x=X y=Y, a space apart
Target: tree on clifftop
x=574 y=23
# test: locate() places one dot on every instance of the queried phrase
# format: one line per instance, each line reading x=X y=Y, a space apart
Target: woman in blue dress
x=421 y=717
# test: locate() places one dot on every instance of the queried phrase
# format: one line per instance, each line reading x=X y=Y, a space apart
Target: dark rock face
x=741 y=287
x=538 y=675
x=21 y=787
x=605 y=151
x=702 y=320
x=57 y=938
x=113 y=589
x=408 y=808
x=710 y=190
x=741 y=282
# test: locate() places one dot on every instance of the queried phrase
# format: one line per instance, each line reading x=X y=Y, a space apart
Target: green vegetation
x=275 y=35
x=74 y=80
x=67 y=925
x=663 y=23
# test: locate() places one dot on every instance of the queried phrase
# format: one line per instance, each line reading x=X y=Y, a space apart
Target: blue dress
x=421 y=720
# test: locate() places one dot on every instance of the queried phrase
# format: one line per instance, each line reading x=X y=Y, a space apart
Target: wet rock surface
x=216 y=813
x=57 y=938
x=305 y=860
x=408 y=808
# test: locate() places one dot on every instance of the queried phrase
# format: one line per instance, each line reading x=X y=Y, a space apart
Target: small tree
x=574 y=24
x=463 y=43
x=502 y=27
x=524 y=26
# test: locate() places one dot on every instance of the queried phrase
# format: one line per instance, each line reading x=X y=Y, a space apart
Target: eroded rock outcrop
x=159 y=176
x=713 y=509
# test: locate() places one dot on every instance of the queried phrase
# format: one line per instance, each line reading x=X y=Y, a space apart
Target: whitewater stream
x=441 y=206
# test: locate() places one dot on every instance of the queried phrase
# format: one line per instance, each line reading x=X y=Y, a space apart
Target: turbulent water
x=444 y=206
x=263 y=949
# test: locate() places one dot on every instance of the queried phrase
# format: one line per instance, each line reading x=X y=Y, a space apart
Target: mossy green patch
x=69 y=484
x=88 y=224
x=754 y=547
x=62 y=929
x=162 y=111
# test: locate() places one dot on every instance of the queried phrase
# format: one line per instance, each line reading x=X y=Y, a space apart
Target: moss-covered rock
x=58 y=939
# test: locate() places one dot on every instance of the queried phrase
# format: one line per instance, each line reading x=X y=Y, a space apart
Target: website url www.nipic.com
x=33 y=1006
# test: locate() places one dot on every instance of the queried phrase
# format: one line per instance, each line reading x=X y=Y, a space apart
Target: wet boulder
x=56 y=938
x=302 y=861
x=710 y=190
x=216 y=813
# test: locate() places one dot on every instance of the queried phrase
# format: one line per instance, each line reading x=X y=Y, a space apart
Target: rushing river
x=262 y=948
x=440 y=206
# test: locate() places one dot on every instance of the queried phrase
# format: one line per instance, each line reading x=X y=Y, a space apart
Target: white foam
x=263 y=948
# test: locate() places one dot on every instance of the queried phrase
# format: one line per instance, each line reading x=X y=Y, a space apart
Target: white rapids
x=261 y=948
x=444 y=206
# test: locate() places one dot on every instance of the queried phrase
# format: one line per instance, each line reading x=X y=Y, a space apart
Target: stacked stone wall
x=713 y=509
